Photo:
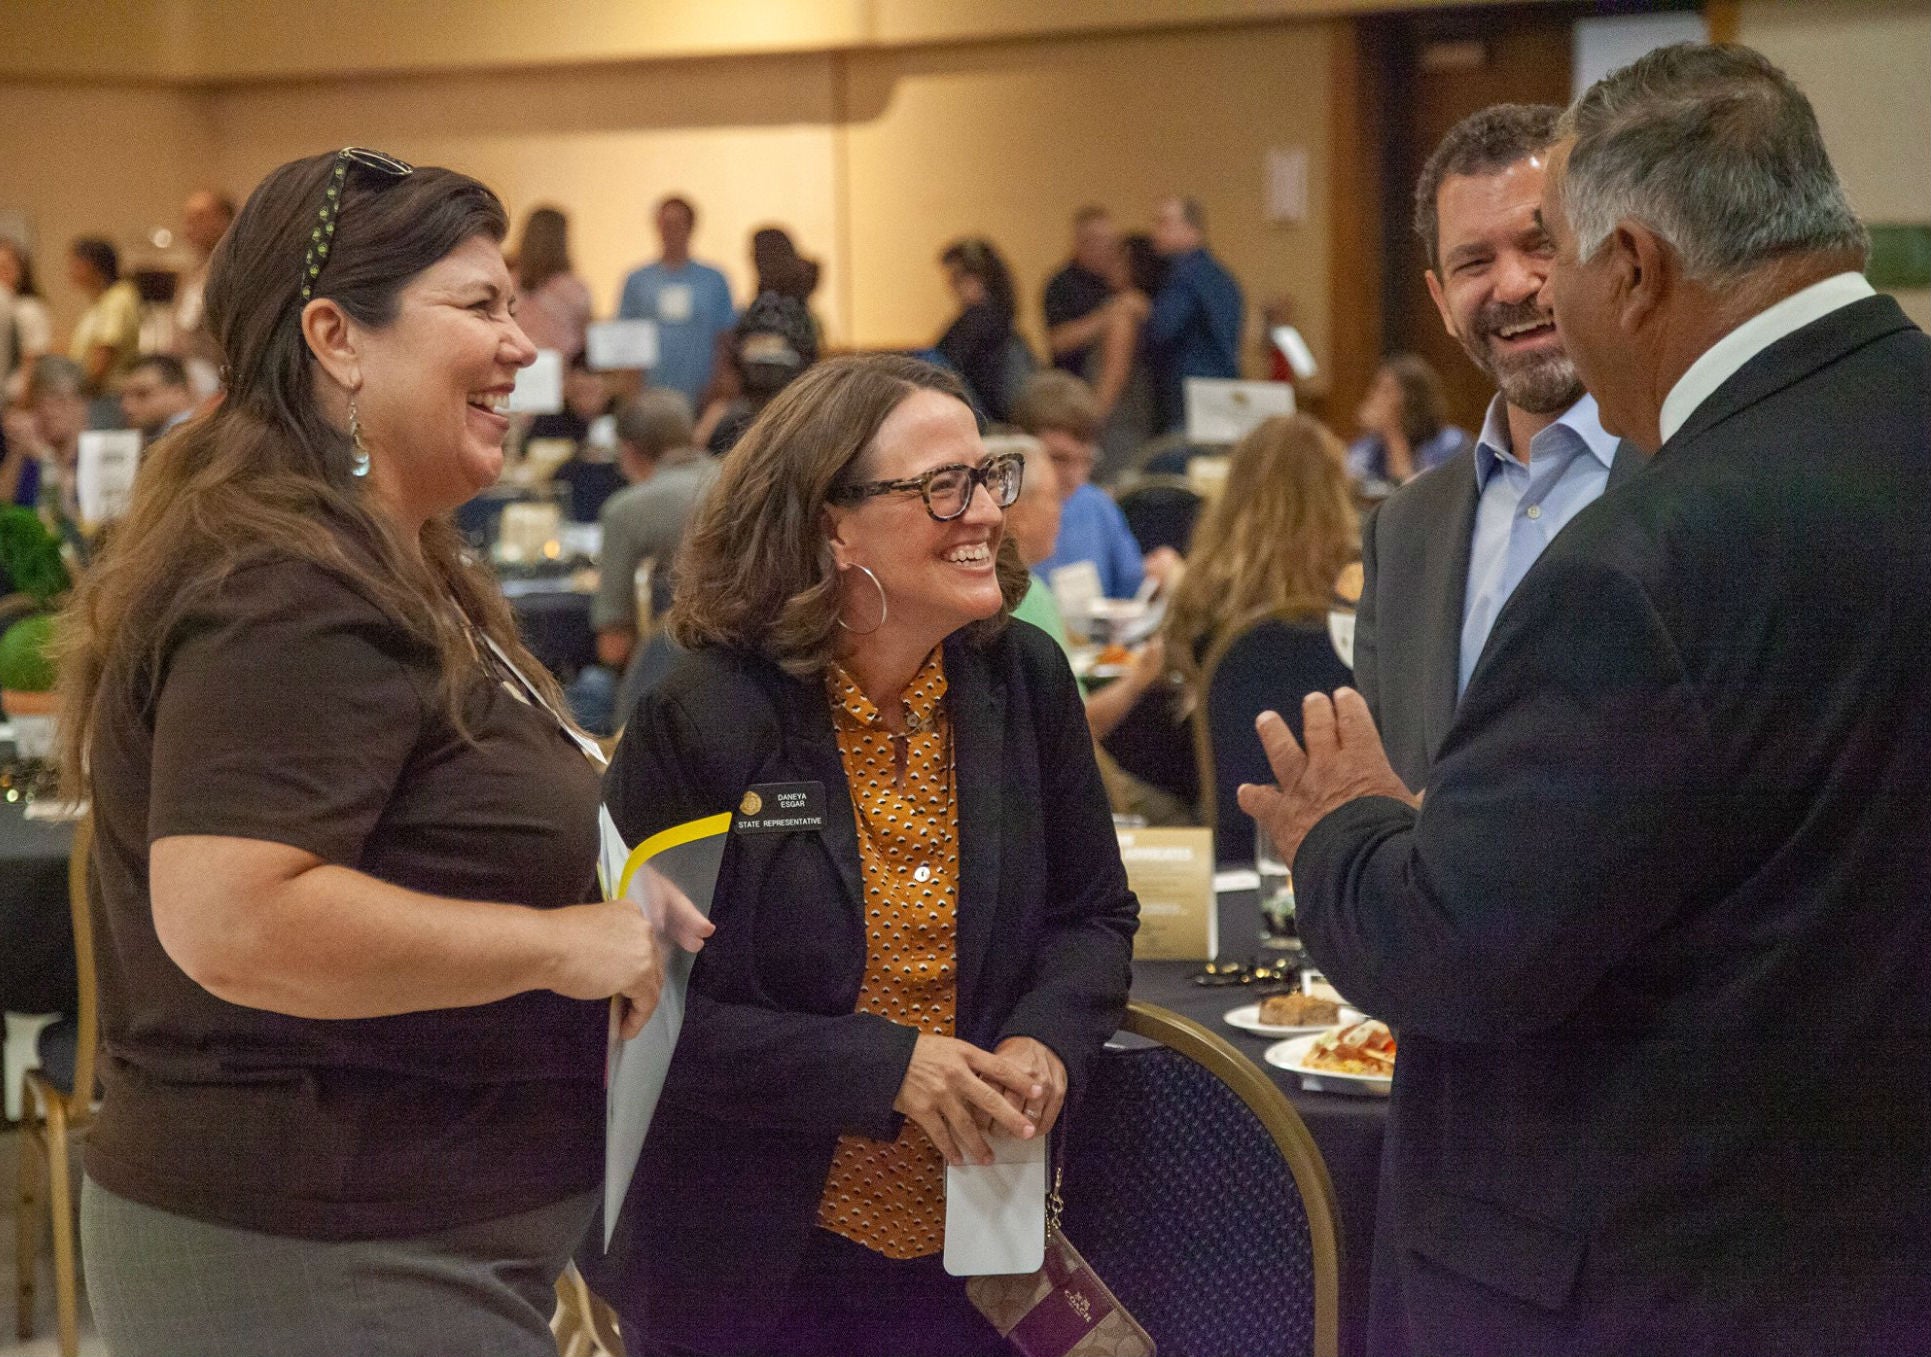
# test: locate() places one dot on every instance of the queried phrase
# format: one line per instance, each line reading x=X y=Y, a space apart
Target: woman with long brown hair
x=344 y=849
x=552 y=304
x=923 y=924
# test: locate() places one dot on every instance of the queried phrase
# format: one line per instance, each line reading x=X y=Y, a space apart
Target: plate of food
x=1358 y=1058
x=1287 y=1015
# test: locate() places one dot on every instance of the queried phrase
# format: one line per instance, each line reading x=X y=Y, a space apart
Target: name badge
x=781 y=808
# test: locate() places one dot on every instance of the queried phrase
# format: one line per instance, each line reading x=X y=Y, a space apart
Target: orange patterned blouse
x=890 y=1195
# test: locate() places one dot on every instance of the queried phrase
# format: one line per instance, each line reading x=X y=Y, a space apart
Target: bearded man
x=1442 y=555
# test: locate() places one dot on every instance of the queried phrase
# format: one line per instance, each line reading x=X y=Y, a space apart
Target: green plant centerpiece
x=33 y=577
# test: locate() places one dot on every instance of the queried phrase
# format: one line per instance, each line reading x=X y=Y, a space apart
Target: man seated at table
x=156 y=396
x=1059 y=410
x=644 y=522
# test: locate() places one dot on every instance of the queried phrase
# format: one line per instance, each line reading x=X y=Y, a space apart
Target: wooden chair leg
x=60 y=1202
x=29 y=1205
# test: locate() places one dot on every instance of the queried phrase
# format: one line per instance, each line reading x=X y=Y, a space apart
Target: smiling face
x=1493 y=260
x=937 y=577
x=435 y=379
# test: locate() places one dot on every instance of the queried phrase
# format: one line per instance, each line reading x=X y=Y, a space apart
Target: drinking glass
x=1276 y=894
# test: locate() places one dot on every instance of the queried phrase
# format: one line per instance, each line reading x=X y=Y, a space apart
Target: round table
x=555 y=625
x=1348 y=1130
x=37 y=962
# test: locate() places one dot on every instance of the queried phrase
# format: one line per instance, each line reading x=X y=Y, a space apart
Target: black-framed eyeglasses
x=322 y=236
x=947 y=490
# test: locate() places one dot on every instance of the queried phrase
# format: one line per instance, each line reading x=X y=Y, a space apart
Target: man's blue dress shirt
x=1522 y=508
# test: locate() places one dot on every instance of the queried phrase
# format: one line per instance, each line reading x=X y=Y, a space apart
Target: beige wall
x=872 y=159
x=1006 y=140
x=749 y=139
x=1866 y=66
x=112 y=160
x=209 y=41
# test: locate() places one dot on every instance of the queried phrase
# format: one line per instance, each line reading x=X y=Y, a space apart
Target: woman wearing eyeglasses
x=344 y=867
x=927 y=953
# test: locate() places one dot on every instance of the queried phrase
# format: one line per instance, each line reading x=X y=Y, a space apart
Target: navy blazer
x=773 y=1064
x=1658 y=942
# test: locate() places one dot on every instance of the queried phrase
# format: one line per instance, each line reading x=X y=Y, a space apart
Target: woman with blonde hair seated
x=1273 y=541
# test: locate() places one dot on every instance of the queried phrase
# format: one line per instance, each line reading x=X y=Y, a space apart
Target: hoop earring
x=359 y=456
x=884 y=606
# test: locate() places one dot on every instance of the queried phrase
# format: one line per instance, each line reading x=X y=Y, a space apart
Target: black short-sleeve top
x=286 y=706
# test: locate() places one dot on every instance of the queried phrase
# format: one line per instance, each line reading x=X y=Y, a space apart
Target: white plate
x=1288 y=1055
x=1248 y=1019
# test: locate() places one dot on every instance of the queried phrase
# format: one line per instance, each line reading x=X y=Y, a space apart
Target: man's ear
x=1441 y=303
x=330 y=336
x=1647 y=270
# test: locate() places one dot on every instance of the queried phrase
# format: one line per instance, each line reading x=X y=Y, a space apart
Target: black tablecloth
x=36 y=937
x=1348 y=1130
x=555 y=625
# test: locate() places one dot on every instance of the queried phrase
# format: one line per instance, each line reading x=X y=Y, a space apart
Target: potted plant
x=32 y=579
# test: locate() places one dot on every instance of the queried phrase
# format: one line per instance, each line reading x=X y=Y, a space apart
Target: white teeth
x=1511 y=331
x=968 y=555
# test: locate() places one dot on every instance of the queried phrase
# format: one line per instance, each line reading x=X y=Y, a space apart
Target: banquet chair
x=584 y=1325
x=1161 y=512
x=1266 y=663
x=59 y=1104
x=1194 y=1190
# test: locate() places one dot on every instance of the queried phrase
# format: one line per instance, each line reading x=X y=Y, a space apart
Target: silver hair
x=53 y=375
x=655 y=421
x=1714 y=149
x=1038 y=478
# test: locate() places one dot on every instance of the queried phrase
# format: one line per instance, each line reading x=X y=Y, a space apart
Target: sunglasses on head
x=323 y=235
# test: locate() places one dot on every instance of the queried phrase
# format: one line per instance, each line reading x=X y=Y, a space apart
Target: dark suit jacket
x=1658 y=942
x=1408 y=626
x=773 y=1064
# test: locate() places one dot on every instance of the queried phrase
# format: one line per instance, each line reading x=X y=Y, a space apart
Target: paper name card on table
x=1172 y=872
x=1076 y=588
x=1294 y=349
x=995 y=1214
x=539 y=387
x=1222 y=411
x=1341 y=634
x=621 y=345
x=104 y=473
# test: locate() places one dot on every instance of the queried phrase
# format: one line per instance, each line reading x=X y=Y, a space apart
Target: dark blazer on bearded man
x=1657 y=943
x=773 y=1064
x=1415 y=548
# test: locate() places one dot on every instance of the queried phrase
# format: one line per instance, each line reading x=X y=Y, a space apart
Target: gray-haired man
x=1659 y=944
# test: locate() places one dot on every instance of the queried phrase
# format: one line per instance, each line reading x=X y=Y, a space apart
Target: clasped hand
x=1343 y=760
x=956 y=1093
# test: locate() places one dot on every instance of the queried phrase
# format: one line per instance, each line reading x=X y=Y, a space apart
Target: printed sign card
x=1172 y=871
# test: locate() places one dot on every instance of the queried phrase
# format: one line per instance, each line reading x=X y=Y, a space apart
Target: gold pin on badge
x=751 y=804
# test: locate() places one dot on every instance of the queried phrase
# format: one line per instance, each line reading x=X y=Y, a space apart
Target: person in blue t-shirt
x=690 y=302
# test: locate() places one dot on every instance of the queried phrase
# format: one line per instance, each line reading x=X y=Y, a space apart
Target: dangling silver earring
x=884 y=606
x=359 y=458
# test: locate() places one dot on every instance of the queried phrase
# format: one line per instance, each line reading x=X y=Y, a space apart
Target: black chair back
x=1196 y=1194
x=1268 y=664
x=1161 y=513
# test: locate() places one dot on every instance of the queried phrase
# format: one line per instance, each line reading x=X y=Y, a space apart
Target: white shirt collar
x=1582 y=419
x=1722 y=359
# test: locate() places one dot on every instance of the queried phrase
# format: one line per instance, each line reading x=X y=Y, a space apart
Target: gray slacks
x=163 y=1285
